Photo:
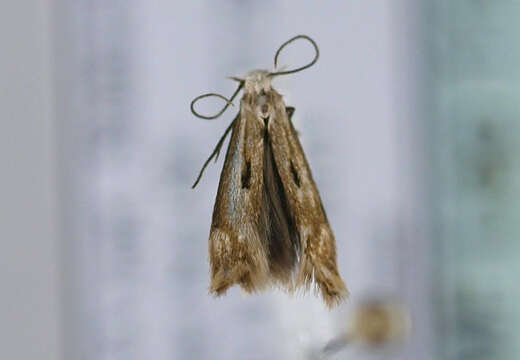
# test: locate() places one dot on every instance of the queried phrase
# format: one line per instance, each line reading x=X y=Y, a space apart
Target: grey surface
x=29 y=251
x=141 y=232
x=410 y=118
x=133 y=233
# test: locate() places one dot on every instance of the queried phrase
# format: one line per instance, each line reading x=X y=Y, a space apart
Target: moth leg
x=290 y=111
x=215 y=153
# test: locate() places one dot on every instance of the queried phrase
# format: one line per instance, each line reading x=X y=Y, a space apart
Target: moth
x=269 y=226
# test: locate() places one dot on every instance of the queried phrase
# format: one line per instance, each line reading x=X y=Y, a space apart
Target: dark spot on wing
x=246 y=175
x=295 y=175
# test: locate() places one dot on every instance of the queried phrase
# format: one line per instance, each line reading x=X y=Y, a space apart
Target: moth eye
x=295 y=175
x=246 y=175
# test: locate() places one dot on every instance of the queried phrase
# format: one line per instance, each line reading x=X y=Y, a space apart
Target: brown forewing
x=237 y=252
x=318 y=250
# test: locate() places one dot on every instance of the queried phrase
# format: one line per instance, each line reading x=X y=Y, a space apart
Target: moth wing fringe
x=317 y=266
x=234 y=262
x=322 y=280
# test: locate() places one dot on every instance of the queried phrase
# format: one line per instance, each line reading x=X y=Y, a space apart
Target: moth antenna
x=215 y=153
x=316 y=56
x=236 y=78
x=228 y=102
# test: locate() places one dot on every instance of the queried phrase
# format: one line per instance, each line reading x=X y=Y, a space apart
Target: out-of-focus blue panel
x=474 y=103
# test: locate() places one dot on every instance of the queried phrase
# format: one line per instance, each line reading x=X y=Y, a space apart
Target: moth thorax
x=257 y=81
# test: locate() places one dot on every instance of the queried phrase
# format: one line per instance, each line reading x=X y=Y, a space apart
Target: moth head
x=255 y=82
x=257 y=88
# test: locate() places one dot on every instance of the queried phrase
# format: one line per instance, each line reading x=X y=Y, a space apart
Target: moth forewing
x=318 y=250
x=236 y=250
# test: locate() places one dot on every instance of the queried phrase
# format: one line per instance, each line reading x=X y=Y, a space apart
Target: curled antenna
x=317 y=51
x=228 y=102
x=216 y=151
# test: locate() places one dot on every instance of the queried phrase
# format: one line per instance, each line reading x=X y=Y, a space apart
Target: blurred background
x=409 y=121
